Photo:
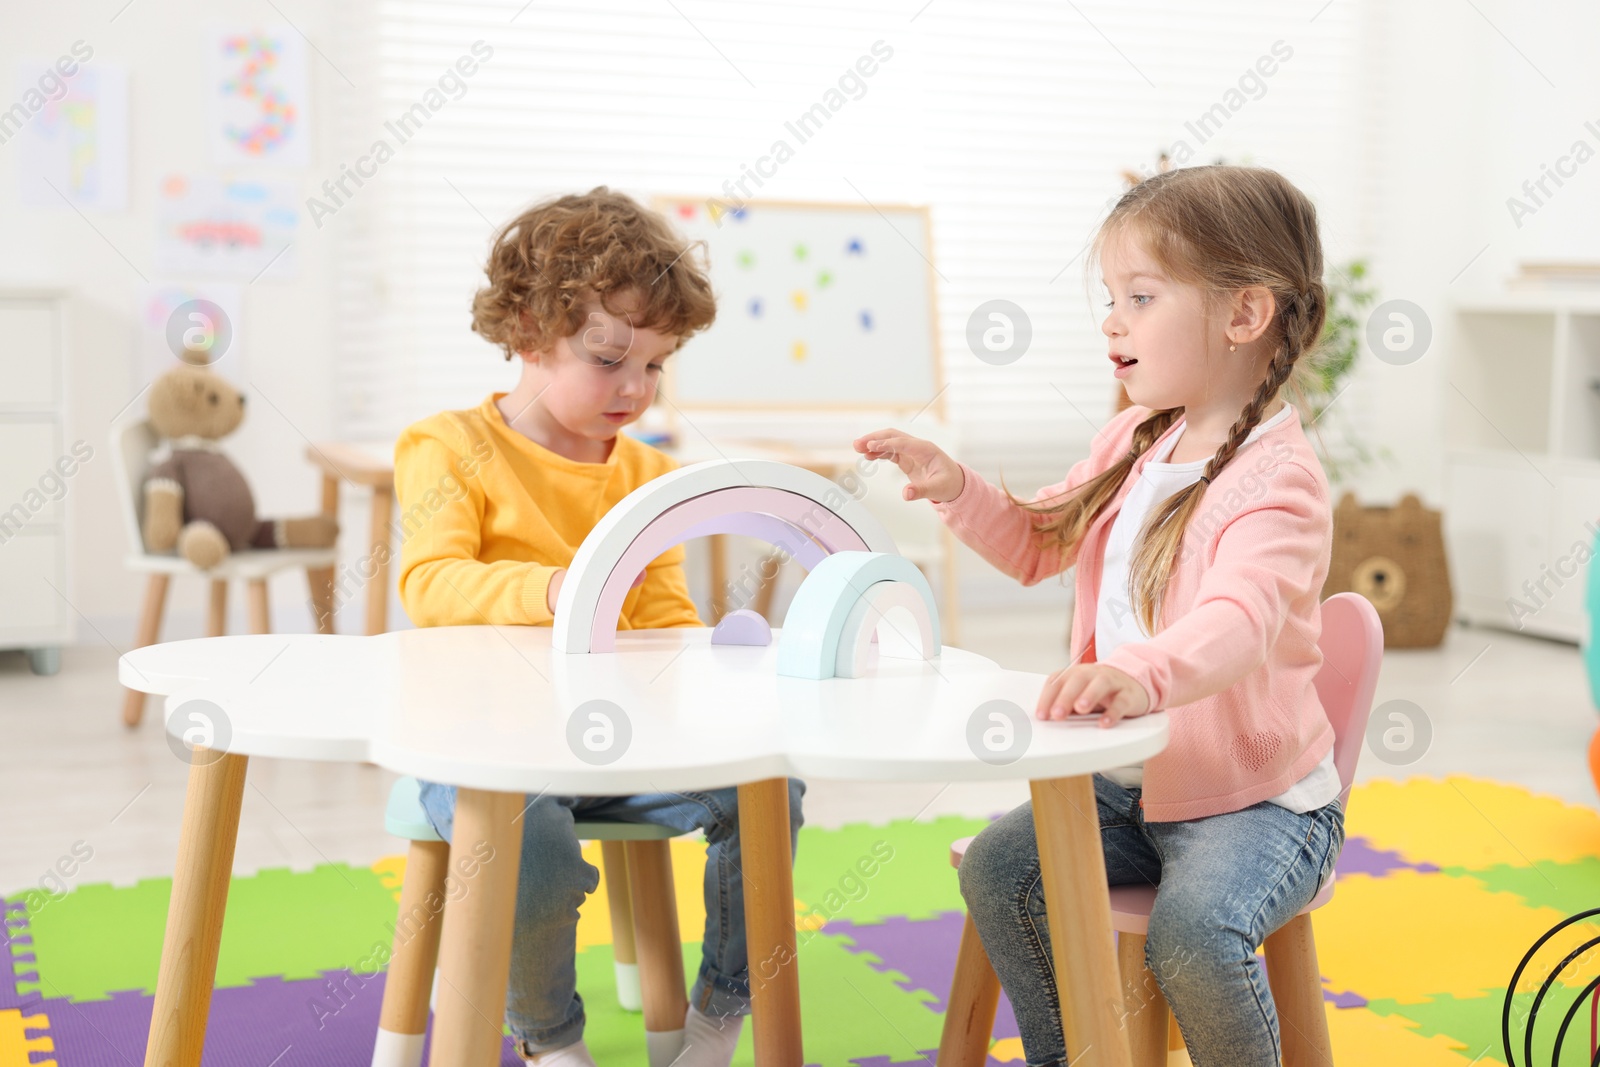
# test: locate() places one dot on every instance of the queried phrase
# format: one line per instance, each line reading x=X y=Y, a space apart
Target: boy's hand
x=1088 y=687
x=554 y=591
x=934 y=475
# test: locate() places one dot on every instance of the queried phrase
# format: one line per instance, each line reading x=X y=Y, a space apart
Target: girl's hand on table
x=1087 y=687
x=934 y=475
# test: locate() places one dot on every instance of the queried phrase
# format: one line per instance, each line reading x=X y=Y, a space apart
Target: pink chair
x=1352 y=651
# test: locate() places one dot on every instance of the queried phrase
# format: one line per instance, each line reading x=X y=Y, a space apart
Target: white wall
x=1457 y=120
x=1460 y=121
x=287 y=323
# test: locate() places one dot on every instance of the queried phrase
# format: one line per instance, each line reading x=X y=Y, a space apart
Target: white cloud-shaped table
x=854 y=685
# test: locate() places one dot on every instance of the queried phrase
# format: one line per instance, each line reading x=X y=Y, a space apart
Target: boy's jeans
x=543 y=1007
x=1226 y=882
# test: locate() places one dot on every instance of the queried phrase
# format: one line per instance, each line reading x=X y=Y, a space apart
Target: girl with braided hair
x=1201 y=529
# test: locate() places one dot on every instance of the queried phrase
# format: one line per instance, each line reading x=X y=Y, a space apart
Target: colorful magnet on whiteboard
x=799 y=298
x=799 y=251
x=738 y=214
x=866 y=319
x=687 y=210
x=854 y=248
x=746 y=259
x=798 y=352
x=755 y=307
x=824 y=279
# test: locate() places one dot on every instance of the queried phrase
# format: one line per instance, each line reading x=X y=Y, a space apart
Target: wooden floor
x=1501 y=705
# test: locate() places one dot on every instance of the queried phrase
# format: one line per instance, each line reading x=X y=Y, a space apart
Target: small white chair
x=644 y=930
x=132 y=444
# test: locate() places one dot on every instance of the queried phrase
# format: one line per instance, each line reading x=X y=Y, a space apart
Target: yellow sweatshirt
x=487 y=516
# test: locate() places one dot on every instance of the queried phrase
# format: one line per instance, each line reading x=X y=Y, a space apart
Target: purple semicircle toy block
x=742 y=627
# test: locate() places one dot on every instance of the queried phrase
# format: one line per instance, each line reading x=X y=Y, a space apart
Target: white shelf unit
x=1522 y=470
x=33 y=511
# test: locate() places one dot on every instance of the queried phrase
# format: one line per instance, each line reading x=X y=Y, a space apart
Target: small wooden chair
x=132 y=443
x=1352 y=651
x=644 y=924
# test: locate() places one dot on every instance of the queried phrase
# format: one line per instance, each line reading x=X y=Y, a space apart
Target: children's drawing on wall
x=217 y=228
x=75 y=148
x=256 y=81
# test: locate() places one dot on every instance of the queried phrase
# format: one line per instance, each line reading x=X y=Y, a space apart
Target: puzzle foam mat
x=1443 y=885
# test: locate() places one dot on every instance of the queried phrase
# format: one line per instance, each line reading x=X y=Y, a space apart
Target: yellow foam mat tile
x=15 y=1044
x=1362 y=1036
x=1461 y=821
x=1357 y=1035
x=688 y=881
x=594 y=918
x=391 y=871
x=1407 y=936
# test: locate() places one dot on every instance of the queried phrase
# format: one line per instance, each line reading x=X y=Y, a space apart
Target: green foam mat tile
x=1474 y=1023
x=910 y=864
x=100 y=939
x=852 y=1010
x=1567 y=887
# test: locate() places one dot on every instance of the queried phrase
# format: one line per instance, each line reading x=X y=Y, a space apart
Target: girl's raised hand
x=933 y=474
x=1086 y=687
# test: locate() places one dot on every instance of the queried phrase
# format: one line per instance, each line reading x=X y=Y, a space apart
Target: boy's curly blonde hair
x=601 y=245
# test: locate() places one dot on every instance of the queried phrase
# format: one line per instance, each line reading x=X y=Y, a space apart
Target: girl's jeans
x=1226 y=882
x=543 y=1007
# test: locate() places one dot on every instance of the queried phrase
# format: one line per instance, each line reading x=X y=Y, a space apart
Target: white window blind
x=1011 y=120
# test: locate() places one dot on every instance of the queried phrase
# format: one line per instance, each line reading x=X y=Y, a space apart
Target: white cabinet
x=1522 y=476
x=36 y=465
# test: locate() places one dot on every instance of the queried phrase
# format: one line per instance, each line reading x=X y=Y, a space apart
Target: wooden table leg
x=217 y=615
x=260 y=612
x=475 y=949
x=1077 y=899
x=378 y=543
x=769 y=922
x=155 y=602
x=717 y=546
x=321 y=579
x=194 y=916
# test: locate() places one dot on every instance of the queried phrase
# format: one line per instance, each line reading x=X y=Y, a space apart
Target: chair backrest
x=132 y=443
x=1352 y=654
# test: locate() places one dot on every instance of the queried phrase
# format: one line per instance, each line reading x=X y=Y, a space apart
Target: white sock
x=566 y=1056
x=708 y=1040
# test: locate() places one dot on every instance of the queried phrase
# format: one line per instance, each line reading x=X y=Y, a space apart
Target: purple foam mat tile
x=925 y=1059
x=1344 y=1000
x=924 y=950
x=1359 y=857
x=318 y=1022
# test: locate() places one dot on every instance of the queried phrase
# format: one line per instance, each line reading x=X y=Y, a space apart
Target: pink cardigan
x=1238 y=653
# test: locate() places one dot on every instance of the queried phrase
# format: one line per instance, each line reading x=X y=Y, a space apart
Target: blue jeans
x=1226 y=882
x=543 y=1007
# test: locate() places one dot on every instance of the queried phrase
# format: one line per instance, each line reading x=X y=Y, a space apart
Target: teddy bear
x=196 y=500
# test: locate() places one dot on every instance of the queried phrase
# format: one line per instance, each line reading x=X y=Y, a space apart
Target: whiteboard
x=818 y=305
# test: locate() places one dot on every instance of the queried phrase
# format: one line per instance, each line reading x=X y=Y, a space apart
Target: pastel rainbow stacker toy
x=854 y=685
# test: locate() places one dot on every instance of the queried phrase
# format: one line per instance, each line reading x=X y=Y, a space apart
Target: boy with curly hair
x=592 y=293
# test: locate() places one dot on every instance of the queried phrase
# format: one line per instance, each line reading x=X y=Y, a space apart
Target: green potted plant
x=1350 y=293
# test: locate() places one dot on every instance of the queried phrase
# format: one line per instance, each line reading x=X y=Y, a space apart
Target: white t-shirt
x=1116 y=623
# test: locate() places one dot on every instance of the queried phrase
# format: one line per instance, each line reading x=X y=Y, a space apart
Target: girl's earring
x=1232 y=347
